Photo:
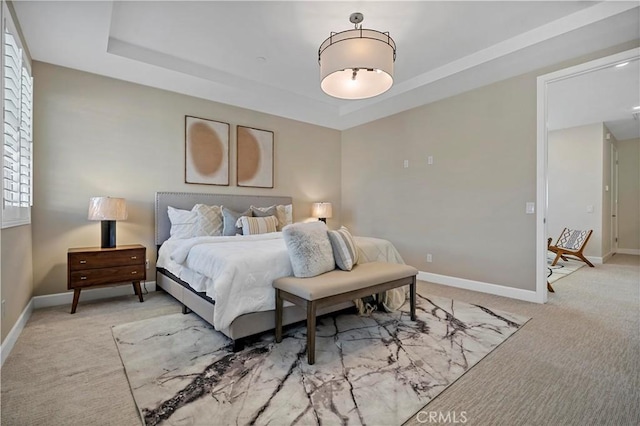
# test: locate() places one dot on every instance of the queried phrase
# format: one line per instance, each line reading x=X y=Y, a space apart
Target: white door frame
x=541 y=166
x=614 y=199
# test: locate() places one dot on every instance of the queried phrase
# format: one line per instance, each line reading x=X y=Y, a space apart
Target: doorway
x=542 y=191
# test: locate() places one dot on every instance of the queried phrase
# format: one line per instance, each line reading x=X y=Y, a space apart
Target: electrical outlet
x=146 y=263
x=406 y=164
x=3 y=309
x=429 y=258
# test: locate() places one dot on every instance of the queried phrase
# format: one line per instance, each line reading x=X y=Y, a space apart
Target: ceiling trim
x=545 y=32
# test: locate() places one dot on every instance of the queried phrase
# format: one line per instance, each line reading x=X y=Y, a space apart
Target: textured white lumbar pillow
x=309 y=249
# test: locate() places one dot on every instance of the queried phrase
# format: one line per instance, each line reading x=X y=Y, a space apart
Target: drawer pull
x=82 y=262
x=83 y=278
x=134 y=272
x=134 y=257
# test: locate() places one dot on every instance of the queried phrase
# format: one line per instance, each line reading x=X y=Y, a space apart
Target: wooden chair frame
x=562 y=252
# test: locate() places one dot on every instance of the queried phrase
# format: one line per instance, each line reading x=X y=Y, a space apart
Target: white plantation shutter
x=26 y=139
x=17 y=134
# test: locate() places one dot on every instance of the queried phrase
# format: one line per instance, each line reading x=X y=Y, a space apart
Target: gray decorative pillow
x=344 y=247
x=264 y=211
x=230 y=218
x=284 y=214
x=309 y=249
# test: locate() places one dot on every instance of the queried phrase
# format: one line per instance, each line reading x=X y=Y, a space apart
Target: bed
x=208 y=275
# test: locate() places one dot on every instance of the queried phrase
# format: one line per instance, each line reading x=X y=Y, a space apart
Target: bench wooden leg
x=311 y=332
x=412 y=300
x=278 y=316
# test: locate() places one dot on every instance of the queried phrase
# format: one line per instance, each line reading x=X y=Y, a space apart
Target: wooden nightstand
x=95 y=266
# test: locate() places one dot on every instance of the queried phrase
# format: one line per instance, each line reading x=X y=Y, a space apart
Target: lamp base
x=108 y=239
x=323 y=219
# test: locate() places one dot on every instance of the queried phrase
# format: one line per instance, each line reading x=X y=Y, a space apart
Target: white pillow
x=309 y=249
x=257 y=225
x=210 y=222
x=183 y=223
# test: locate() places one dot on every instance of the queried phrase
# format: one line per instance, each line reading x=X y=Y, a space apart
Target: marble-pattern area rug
x=562 y=268
x=376 y=370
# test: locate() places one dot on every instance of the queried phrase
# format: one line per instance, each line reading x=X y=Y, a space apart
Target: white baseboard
x=88 y=294
x=628 y=251
x=12 y=337
x=498 y=290
x=598 y=260
x=45 y=301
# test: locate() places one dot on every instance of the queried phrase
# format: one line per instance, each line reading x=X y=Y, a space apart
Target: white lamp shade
x=322 y=210
x=370 y=52
x=107 y=208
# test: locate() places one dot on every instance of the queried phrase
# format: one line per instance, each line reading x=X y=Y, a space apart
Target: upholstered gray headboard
x=186 y=200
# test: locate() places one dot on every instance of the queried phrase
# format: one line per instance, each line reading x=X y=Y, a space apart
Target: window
x=17 y=132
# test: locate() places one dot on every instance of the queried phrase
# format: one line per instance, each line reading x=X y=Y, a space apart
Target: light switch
x=430 y=159
x=530 y=207
x=406 y=164
x=606 y=188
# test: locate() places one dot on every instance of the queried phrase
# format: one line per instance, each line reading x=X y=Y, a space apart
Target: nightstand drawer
x=91 y=260
x=91 y=277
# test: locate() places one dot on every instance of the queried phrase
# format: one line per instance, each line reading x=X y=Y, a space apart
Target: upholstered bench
x=339 y=286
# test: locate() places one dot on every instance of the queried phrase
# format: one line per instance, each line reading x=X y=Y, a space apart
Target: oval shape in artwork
x=248 y=155
x=206 y=149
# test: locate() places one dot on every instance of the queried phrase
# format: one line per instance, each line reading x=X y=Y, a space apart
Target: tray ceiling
x=263 y=55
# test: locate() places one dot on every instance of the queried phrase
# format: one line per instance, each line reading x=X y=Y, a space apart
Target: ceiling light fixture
x=358 y=63
x=636 y=107
x=622 y=64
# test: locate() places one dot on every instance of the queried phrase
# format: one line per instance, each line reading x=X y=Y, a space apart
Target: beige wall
x=17 y=274
x=629 y=194
x=99 y=136
x=468 y=208
x=16 y=269
x=575 y=176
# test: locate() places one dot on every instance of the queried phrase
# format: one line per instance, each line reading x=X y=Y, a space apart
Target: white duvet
x=238 y=272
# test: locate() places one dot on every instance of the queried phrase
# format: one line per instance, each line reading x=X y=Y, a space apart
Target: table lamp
x=107 y=210
x=322 y=211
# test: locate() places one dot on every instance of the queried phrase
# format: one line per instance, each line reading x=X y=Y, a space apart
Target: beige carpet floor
x=577 y=362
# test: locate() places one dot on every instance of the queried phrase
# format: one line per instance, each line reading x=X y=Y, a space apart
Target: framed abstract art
x=206 y=151
x=255 y=157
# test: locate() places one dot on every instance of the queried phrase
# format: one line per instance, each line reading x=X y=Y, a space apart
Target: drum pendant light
x=358 y=63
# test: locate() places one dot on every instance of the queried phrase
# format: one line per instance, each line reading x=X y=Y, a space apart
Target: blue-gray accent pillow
x=229 y=218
